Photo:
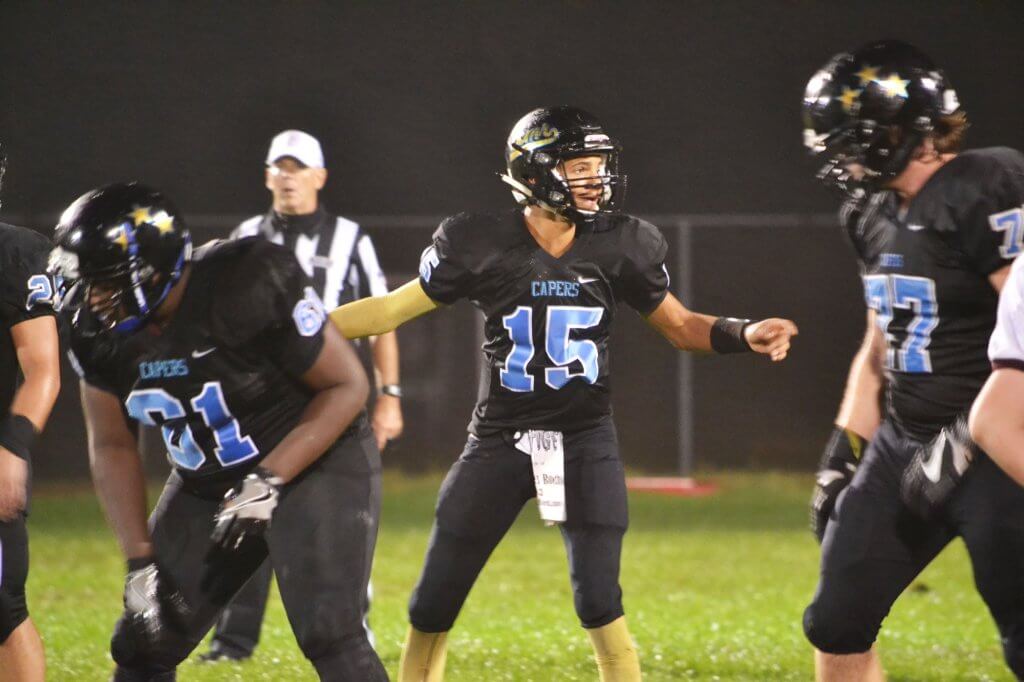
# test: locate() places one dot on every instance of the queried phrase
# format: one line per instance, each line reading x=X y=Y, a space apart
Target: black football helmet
x=873 y=107
x=536 y=149
x=119 y=250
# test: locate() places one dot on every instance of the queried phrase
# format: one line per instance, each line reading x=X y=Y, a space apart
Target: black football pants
x=874 y=547
x=320 y=546
x=481 y=498
x=238 y=629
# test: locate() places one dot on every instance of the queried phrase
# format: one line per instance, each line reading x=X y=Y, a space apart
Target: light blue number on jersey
x=40 y=291
x=232 y=447
x=562 y=350
x=561 y=321
x=520 y=329
x=886 y=292
x=1012 y=223
x=155 y=407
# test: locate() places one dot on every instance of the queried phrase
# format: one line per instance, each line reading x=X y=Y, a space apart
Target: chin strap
x=524 y=195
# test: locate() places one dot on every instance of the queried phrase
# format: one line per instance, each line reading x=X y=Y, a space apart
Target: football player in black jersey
x=935 y=232
x=29 y=348
x=261 y=408
x=548 y=277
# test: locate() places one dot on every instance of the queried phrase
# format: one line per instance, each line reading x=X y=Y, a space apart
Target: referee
x=340 y=259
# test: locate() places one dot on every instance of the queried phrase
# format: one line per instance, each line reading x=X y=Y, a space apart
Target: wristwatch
x=393 y=390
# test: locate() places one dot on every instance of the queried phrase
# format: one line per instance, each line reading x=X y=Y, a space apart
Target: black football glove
x=244 y=516
x=152 y=602
x=937 y=468
x=835 y=471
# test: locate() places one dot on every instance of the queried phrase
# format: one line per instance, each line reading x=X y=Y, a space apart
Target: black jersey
x=26 y=292
x=222 y=380
x=547 y=318
x=870 y=223
x=926 y=277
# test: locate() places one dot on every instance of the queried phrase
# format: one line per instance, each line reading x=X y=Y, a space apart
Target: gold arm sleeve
x=381 y=314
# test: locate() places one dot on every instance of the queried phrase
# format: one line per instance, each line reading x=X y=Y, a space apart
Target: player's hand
x=387 y=419
x=244 y=516
x=835 y=471
x=937 y=468
x=771 y=337
x=152 y=601
x=13 y=485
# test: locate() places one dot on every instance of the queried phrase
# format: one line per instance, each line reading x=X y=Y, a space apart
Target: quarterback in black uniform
x=547 y=277
x=30 y=348
x=261 y=408
x=936 y=232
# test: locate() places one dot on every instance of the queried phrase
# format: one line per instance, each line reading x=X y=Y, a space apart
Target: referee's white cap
x=301 y=146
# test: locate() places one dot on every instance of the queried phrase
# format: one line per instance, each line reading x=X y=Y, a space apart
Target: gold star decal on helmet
x=894 y=86
x=119 y=235
x=848 y=97
x=140 y=215
x=867 y=74
x=163 y=222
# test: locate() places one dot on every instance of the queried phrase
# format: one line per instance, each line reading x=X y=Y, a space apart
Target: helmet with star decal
x=119 y=250
x=871 y=108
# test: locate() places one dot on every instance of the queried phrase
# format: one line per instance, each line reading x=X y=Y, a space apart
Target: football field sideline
x=714 y=589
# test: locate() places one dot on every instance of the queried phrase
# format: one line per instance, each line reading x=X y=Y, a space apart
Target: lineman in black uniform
x=227 y=352
x=935 y=245
x=340 y=259
x=548 y=277
x=29 y=348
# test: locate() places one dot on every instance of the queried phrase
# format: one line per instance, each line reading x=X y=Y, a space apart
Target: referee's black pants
x=320 y=545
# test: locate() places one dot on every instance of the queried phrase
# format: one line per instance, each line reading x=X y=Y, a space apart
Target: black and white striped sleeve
x=372 y=281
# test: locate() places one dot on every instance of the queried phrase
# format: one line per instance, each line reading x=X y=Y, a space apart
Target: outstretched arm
x=690 y=331
x=381 y=314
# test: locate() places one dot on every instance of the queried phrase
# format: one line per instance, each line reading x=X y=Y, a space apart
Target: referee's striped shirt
x=336 y=254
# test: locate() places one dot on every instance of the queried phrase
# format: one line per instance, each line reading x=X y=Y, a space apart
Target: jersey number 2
x=887 y=292
x=156 y=407
x=562 y=350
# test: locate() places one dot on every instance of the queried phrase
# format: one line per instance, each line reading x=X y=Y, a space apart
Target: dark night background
x=413 y=101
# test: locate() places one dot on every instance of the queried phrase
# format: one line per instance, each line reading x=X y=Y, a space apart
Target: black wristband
x=727 y=335
x=139 y=563
x=17 y=434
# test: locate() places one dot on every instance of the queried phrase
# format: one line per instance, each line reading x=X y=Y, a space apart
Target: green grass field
x=714 y=590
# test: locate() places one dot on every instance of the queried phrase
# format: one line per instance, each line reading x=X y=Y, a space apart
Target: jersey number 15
x=562 y=350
